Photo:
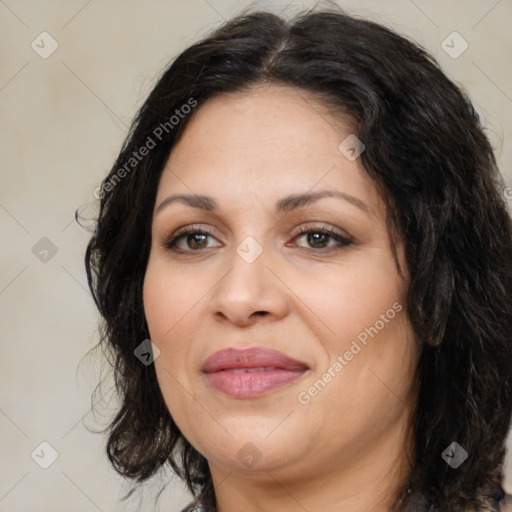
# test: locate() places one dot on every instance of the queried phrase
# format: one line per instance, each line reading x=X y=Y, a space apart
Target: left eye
x=318 y=238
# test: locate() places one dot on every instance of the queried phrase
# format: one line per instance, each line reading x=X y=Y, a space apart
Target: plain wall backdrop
x=72 y=75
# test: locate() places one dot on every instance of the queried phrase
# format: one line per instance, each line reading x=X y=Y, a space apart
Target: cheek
x=351 y=299
x=168 y=300
x=168 y=296
x=166 y=304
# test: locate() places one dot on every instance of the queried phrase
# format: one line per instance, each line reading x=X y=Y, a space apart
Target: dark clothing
x=500 y=507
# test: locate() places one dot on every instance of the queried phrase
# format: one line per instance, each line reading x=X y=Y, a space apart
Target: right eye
x=194 y=239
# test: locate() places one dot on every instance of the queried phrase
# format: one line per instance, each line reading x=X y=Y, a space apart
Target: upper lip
x=255 y=357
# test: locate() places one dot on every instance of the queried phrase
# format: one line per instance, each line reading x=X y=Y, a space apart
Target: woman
x=306 y=222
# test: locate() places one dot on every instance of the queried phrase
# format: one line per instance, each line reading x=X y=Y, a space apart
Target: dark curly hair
x=429 y=157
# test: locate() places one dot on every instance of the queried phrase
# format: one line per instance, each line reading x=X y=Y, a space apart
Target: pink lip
x=275 y=370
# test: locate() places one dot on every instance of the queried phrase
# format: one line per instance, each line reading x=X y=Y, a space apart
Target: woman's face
x=332 y=303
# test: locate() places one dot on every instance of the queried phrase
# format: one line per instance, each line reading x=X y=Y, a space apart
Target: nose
x=249 y=291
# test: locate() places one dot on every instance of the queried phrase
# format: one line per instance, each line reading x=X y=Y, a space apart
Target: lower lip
x=251 y=384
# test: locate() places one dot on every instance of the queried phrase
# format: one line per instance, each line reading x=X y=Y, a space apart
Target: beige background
x=62 y=120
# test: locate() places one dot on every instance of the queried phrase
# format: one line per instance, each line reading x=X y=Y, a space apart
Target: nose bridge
x=245 y=279
x=248 y=286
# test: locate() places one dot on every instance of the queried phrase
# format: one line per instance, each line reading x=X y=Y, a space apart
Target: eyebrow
x=285 y=204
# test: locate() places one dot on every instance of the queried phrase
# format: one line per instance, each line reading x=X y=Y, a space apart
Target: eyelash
x=342 y=241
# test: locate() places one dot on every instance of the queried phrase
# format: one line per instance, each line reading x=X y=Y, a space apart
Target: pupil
x=317 y=237
x=194 y=238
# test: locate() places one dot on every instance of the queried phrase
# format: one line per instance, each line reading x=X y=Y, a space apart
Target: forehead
x=274 y=116
x=268 y=142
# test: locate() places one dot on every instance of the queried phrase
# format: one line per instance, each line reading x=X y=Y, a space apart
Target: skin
x=349 y=447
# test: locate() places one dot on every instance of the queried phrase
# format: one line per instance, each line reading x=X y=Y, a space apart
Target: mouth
x=251 y=370
x=250 y=373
